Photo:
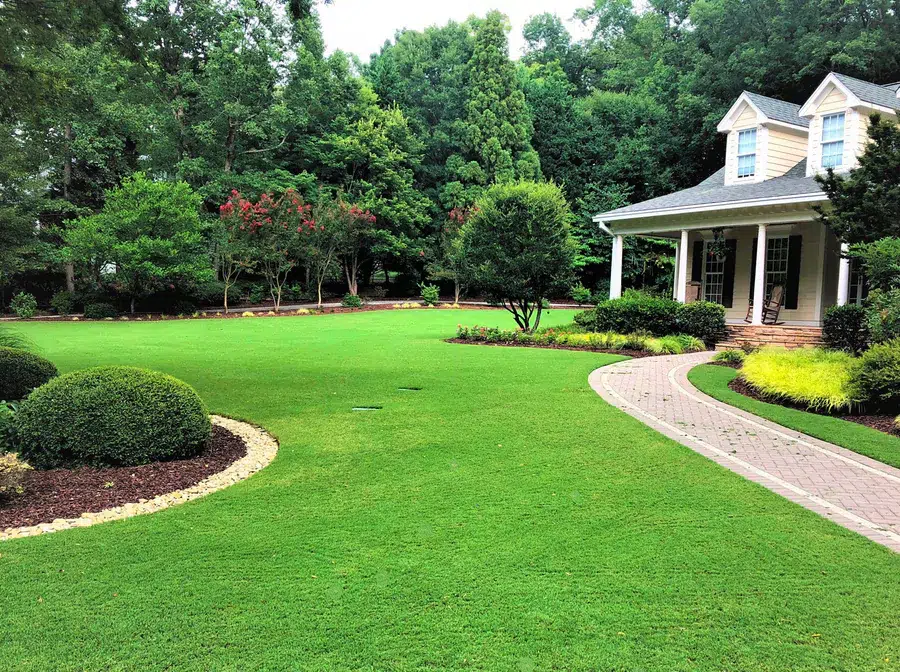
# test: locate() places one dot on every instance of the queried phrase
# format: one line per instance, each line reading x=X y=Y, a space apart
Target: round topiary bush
x=111 y=416
x=22 y=371
x=99 y=311
x=875 y=377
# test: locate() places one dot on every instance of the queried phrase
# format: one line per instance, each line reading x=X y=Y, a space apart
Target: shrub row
x=637 y=312
x=673 y=344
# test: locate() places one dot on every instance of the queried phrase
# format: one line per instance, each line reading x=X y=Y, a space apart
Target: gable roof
x=712 y=191
x=885 y=96
x=778 y=110
x=774 y=110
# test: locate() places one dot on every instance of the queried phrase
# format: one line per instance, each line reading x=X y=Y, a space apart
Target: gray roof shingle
x=713 y=191
x=885 y=96
x=778 y=110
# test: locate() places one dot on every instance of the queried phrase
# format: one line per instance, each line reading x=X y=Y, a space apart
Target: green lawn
x=713 y=380
x=503 y=518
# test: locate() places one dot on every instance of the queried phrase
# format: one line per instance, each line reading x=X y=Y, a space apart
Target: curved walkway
x=852 y=490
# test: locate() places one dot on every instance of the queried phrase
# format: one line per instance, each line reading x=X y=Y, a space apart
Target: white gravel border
x=261 y=450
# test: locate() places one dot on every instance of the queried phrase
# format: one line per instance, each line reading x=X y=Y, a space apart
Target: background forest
x=240 y=95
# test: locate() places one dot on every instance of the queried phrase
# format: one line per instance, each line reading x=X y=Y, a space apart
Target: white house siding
x=807 y=310
x=785 y=150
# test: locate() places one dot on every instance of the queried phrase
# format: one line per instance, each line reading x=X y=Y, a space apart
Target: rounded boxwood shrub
x=99 y=311
x=22 y=371
x=846 y=328
x=875 y=377
x=703 y=319
x=111 y=416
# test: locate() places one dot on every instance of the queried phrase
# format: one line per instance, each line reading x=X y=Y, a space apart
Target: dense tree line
x=239 y=95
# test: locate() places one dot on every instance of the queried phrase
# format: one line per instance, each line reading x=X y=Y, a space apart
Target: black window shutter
x=753 y=268
x=792 y=286
x=728 y=276
x=697 y=262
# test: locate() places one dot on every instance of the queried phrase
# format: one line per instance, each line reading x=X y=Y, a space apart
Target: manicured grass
x=502 y=518
x=713 y=380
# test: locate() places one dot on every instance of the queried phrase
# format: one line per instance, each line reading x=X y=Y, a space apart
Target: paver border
x=261 y=450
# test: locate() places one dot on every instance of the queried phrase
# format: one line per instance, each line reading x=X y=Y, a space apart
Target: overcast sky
x=361 y=26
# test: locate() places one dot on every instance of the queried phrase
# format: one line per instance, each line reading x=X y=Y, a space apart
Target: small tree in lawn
x=319 y=240
x=355 y=235
x=274 y=229
x=234 y=249
x=518 y=247
x=148 y=235
x=451 y=258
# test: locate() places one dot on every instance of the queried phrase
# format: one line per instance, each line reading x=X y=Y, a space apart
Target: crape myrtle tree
x=147 y=236
x=519 y=247
x=233 y=251
x=319 y=245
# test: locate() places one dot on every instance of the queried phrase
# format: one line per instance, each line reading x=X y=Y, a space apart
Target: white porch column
x=615 y=276
x=677 y=263
x=681 y=279
x=843 y=290
x=759 y=282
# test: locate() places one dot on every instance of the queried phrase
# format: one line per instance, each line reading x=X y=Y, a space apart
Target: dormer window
x=746 y=153
x=833 y=140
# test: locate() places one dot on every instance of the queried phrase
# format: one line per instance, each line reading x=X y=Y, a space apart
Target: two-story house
x=758 y=209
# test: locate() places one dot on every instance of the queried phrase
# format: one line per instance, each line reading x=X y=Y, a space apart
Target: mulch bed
x=67 y=493
x=883 y=423
x=628 y=353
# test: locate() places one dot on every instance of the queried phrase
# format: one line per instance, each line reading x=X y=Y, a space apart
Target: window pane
x=747 y=142
x=833 y=128
x=776 y=263
x=714 y=277
x=832 y=154
x=747 y=165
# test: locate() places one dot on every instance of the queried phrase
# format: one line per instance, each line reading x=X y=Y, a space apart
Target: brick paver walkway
x=852 y=490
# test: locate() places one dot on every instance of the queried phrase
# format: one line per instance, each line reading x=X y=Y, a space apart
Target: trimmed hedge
x=875 y=377
x=846 y=328
x=99 y=311
x=22 y=371
x=111 y=416
x=637 y=312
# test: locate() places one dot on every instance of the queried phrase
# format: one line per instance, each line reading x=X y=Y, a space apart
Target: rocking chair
x=771 y=307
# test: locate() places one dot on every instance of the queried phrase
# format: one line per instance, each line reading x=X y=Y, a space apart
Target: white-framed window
x=776 y=263
x=858 y=283
x=833 y=140
x=746 y=153
x=713 y=276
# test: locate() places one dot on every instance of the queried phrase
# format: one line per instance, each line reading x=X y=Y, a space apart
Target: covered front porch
x=798 y=277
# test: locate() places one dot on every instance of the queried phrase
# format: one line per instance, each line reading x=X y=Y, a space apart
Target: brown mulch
x=728 y=365
x=883 y=423
x=628 y=353
x=67 y=493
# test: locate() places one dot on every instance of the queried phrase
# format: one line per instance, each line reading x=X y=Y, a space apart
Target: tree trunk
x=319 y=290
x=67 y=183
x=229 y=147
x=226 y=297
x=70 y=276
x=455 y=292
x=132 y=304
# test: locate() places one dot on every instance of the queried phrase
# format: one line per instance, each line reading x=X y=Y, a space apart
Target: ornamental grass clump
x=22 y=371
x=111 y=416
x=815 y=378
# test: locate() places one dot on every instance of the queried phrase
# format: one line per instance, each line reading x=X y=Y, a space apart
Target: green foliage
x=24 y=305
x=63 y=302
x=430 y=294
x=7 y=426
x=883 y=309
x=814 y=378
x=149 y=231
x=864 y=205
x=846 y=328
x=351 y=301
x=580 y=294
x=881 y=262
x=99 y=311
x=703 y=319
x=519 y=247
x=10 y=338
x=731 y=357
x=111 y=416
x=22 y=371
x=575 y=337
x=875 y=377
